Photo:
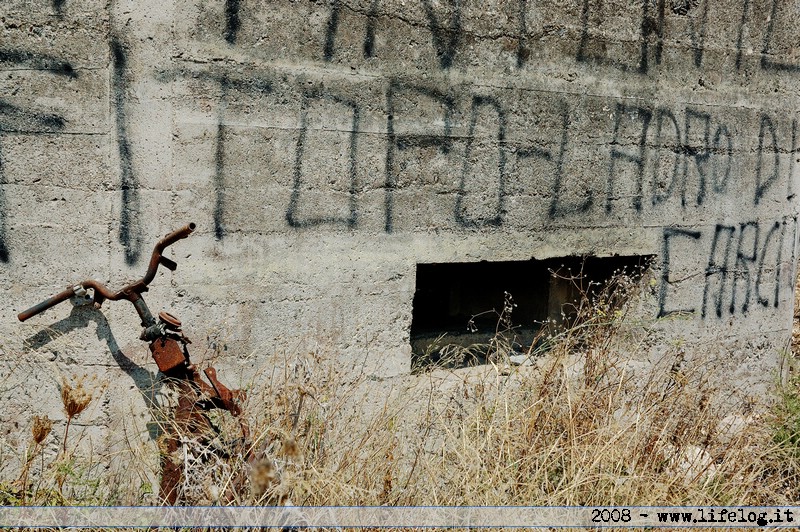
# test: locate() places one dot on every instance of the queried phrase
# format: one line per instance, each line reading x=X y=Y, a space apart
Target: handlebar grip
x=46 y=304
x=174 y=236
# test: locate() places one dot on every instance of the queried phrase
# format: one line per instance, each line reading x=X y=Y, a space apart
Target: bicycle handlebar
x=131 y=292
x=46 y=304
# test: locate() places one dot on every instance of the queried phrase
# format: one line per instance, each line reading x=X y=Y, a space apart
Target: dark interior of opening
x=462 y=303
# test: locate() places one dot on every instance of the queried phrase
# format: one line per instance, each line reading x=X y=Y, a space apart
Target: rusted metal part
x=189 y=418
x=169 y=320
x=167 y=354
x=225 y=395
x=196 y=397
x=170 y=468
x=160 y=246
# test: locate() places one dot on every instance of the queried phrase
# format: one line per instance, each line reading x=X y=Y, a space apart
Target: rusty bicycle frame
x=169 y=348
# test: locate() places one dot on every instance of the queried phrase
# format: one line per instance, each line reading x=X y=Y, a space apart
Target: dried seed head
x=214 y=493
x=289 y=448
x=75 y=399
x=263 y=477
x=41 y=428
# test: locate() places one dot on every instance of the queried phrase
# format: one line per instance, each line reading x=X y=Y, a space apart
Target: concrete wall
x=326 y=148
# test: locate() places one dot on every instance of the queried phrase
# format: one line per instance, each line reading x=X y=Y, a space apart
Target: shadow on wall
x=148 y=383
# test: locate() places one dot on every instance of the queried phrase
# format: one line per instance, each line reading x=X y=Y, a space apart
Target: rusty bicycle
x=196 y=397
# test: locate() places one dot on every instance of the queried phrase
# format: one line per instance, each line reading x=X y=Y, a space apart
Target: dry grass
x=584 y=424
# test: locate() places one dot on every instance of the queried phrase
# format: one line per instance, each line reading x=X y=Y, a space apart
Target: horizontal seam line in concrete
x=346 y=73
x=39 y=132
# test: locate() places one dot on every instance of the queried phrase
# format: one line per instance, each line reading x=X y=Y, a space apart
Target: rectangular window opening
x=465 y=313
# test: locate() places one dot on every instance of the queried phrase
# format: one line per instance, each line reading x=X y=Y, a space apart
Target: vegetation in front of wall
x=594 y=304
x=583 y=423
x=62 y=478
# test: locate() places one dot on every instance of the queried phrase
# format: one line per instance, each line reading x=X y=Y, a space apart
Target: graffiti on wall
x=655 y=155
x=748 y=266
x=649 y=156
x=688 y=153
x=650 y=159
x=649 y=26
x=129 y=226
x=15 y=119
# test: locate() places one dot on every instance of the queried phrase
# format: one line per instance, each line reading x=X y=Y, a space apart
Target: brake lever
x=81 y=297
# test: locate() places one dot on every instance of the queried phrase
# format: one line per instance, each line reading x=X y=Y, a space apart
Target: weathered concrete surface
x=326 y=148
